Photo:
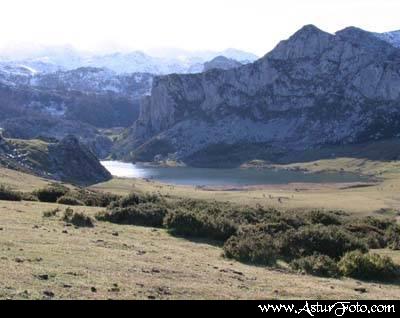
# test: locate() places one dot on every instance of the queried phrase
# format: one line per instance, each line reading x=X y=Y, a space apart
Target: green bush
x=368 y=266
x=392 y=236
x=7 y=194
x=318 y=265
x=325 y=218
x=371 y=230
x=371 y=235
x=326 y=240
x=68 y=200
x=185 y=223
x=93 y=198
x=273 y=229
x=258 y=249
x=78 y=219
x=51 y=194
x=135 y=199
x=143 y=214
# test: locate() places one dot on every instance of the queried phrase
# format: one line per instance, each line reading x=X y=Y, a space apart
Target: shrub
x=68 y=200
x=368 y=266
x=185 y=223
x=370 y=235
x=78 y=219
x=93 y=198
x=258 y=250
x=144 y=214
x=9 y=195
x=29 y=197
x=272 y=229
x=52 y=193
x=318 y=265
x=392 y=236
x=327 y=240
x=50 y=213
x=135 y=199
x=325 y=218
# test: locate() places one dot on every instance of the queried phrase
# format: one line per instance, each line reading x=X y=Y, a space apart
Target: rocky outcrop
x=73 y=162
x=50 y=128
x=313 y=89
x=67 y=160
x=221 y=63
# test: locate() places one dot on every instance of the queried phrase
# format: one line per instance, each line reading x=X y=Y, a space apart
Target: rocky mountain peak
x=222 y=63
x=365 y=39
x=308 y=42
x=313 y=89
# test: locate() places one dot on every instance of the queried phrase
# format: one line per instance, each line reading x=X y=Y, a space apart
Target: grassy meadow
x=45 y=257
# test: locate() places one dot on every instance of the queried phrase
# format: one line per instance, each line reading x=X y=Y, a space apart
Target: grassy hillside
x=43 y=258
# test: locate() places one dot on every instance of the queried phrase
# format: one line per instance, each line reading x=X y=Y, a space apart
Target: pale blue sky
x=252 y=25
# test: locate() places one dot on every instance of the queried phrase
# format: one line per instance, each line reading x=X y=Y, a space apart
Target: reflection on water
x=220 y=177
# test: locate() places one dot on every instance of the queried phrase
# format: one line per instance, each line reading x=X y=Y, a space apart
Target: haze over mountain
x=51 y=59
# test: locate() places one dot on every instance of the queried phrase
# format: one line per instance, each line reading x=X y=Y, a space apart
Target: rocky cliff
x=73 y=162
x=313 y=89
x=67 y=160
x=222 y=63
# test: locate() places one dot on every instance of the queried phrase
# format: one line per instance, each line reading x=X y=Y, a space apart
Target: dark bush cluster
x=197 y=224
x=93 y=198
x=143 y=214
x=252 y=249
x=135 y=199
x=326 y=240
x=68 y=200
x=376 y=233
x=316 y=264
x=368 y=266
x=7 y=194
x=51 y=193
x=77 y=218
x=63 y=195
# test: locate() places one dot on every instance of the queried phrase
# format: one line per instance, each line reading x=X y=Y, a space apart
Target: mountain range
x=49 y=60
x=313 y=90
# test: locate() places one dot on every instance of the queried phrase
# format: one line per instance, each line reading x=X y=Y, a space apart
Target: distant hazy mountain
x=48 y=60
x=222 y=63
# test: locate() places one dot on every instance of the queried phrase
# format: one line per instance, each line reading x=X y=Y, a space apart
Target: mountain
x=103 y=109
x=67 y=160
x=313 y=90
x=95 y=80
x=222 y=63
x=50 y=60
x=390 y=37
x=35 y=126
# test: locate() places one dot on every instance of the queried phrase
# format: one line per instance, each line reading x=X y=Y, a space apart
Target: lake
x=224 y=177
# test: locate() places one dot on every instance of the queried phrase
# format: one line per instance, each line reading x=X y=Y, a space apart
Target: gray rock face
x=67 y=160
x=48 y=128
x=313 y=89
x=73 y=162
x=221 y=63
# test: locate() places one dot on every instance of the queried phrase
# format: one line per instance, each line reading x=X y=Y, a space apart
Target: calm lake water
x=221 y=177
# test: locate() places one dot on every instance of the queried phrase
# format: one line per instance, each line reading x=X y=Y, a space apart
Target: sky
x=252 y=25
